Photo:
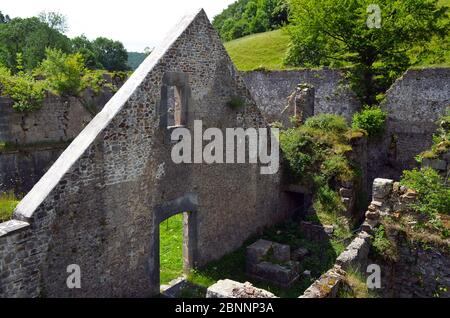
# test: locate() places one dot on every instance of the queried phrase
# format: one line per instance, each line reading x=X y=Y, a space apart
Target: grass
x=171 y=248
x=355 y=286
x=262 y=50
x=232 y=266
x=8 y=202
x=267 y=50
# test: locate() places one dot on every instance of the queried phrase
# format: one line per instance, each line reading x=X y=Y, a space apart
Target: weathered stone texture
x=230 y=289
x=413 y=103
x=96 y=206
x=271 y=91
x=327 y=286
x=39 y=137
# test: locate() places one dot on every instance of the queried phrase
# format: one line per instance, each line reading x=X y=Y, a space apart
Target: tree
x=63 y=72
x=85 y=47
x=112 y=55
x=372 y=40
x=54 y=20
x=29 y=37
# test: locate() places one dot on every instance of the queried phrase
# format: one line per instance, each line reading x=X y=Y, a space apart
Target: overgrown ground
x=232 y=266
x=171 y=248
x=8 y=202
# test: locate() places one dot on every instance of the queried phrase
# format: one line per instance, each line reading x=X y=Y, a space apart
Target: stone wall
x=421 y=267
x=36 y=139
x=100 y=205
x=414 y=103
x=21 y=169
x=59 y=119
x=271 y=91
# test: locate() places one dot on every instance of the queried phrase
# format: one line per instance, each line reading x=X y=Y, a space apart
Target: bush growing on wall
x=315 y=152
x=62 y=72
x=26 y=92
x=371 y=120
x=441 y=139
x=432 y=189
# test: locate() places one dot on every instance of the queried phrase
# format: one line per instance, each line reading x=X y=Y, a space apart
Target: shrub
x=382 y=246
x=95 y=80
x=26 y=92
x=327 y=122
x=317 y=148
x=441 y=139
x=370 y=119
x=432 y=190
x=63 y=72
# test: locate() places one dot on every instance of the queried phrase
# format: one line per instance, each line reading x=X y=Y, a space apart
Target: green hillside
x=267 y=50
x=259 y=50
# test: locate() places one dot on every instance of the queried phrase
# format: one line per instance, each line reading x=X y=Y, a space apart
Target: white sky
x=136 y=23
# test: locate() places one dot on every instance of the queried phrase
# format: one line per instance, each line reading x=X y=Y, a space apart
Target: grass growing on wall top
x=8 y=202
x=171 y=248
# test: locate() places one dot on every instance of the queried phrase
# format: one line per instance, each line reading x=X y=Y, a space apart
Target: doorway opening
x=175 y=239
x=171 y=248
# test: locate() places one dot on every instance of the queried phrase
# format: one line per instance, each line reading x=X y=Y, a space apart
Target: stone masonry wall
x=271 y=90
x=101 y=203
x=421 y=269
x=36 y=139
x=59 y=119
x=414 y=103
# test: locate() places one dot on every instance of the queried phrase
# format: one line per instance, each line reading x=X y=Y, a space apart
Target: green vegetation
x=31 y=37
x=318 y=145
x=245 y=17
x=135 y=59
x=371 y=120
x=171 y=252
x=62 y=72
x=355 y=286
x=316 y=154
x=258 y=51
x=433 y=194
x=321 y=258
x=8 y=202
x=335 y=33
x=382 y=246
x=27 y=92
x=441 y=140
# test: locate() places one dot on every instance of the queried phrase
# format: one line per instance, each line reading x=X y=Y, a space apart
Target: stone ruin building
x=101 y=203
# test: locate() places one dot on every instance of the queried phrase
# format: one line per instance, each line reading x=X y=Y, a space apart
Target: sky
x=136 y=23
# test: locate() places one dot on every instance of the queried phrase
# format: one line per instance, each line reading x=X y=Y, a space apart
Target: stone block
x=438 y=164
x=282 y=253
x=231 y=289
x=281 y=275
x=382 y=188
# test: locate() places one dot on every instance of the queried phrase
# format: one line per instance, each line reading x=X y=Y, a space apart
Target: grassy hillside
x=259 y=50
x=267 y=50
